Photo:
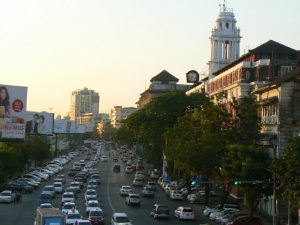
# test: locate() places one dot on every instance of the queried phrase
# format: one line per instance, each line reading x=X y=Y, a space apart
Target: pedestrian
x=18 y=196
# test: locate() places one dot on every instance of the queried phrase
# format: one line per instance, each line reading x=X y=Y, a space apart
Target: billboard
x=39 y=123
x=64 y=126
x=13 y=102
x=80 y=129
x=89 y=128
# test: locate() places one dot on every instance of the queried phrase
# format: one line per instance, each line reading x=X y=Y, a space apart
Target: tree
x=287 y=171
x=148 y=125
x=38 y=149
x=251 y=166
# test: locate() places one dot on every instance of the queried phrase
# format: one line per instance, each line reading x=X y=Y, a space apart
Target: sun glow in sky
x=116 y=46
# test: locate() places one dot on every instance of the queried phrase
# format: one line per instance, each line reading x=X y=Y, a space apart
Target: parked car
x=148 y=191
x=176 y=195
x=125 y=190
x=7 y=196
x=246 y=220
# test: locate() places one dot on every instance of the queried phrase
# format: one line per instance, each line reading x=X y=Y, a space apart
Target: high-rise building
x=84 y=101
x=225 y=41
x=119 y=113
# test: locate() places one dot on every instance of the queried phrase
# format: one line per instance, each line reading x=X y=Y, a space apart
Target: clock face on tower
x=192 y=76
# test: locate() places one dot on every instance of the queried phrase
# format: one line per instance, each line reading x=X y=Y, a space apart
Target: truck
x=49 y=216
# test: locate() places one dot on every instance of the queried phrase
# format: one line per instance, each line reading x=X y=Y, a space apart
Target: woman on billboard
x=42 y=126
x=4 y=102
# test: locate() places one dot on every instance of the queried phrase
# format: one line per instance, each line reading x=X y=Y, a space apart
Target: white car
x=83 y=222
x=67 y=197
x=125 y=190
x=104 y=158
x=120 y=219
x=46 y=206
x=139 y=175
x=7 y=196
x=184 y=213
x=68 y=206
x=92 y=205
x=214 y=215
x=90 y=193
x=133 y=199
x=72 y=217
x=58 y=187
x=176 y=195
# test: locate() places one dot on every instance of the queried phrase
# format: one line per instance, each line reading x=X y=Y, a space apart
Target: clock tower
x=225 y=40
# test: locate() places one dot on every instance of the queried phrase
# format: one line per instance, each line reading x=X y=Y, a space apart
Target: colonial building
x=279 y=110
x=160 y=84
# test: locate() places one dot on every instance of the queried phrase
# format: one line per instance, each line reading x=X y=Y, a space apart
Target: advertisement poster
x=13 y=102
x=39 y=123
x=64 y=126
x=80 y=129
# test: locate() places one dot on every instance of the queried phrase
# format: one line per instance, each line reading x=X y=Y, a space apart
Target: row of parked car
x=32 y=180
x=230 y=214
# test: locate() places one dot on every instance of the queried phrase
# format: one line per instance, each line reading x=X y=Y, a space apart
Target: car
x=96 y=217
x=91 y=205
x=216 y=214
x=115 y=160
x=133 y=199
x=22 y=186
x=117 y=168
x=148 y=191
x=83 y=222
x=72 y=217
x=92 y=184
x=90 y=193
x=46 y=206
x=96 y=177
x=152 y=185
x=58 y=187
x=7 y=196
x=67 y=206
x=160 y=211
x=76 y=186
x=104 y=158
x=120 y=219
x=176 y=195
x=138 y=182
x=45 y=198
x=67 y=197
x=72 y=172
x=125 y=190
x=128 y=169
x=184 y=213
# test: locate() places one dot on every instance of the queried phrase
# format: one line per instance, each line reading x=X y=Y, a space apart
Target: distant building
x=162 y=83
x=84 y=101
x=118 y=114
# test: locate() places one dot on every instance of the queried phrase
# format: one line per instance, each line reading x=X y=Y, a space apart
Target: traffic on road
x=103 y=184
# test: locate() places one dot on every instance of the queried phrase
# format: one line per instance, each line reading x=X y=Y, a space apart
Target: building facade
x=162 y=83
x=119 y=113
x=84 y=101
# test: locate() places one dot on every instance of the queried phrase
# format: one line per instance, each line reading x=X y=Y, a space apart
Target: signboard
x=64 y=126
x=89 y=128
x=13 y=101
x=39 y=123
x=80 y=129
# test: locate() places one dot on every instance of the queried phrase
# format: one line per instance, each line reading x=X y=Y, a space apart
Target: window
x=285 y=69
x=247 y=76
x=227 y=25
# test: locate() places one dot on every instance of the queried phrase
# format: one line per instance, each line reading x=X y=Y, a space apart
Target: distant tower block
x=225 y=40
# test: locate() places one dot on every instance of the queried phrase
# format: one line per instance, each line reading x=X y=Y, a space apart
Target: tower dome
x=225 y=40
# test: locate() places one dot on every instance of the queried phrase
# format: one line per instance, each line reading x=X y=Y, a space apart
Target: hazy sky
x=111 y=46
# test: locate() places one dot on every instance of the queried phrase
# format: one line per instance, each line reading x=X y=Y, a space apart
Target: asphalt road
x=23 y=213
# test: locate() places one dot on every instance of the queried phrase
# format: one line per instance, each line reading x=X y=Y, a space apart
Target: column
x=219 y=50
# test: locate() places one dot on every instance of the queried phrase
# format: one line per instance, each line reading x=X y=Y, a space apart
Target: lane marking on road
x=108 y=196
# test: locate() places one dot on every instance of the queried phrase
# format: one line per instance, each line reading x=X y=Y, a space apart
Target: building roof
x=267 y=47
x=164 y=76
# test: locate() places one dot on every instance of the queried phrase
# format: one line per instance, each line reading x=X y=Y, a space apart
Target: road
x=23 y=213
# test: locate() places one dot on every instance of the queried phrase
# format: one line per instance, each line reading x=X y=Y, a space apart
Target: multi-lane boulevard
x=23 y=213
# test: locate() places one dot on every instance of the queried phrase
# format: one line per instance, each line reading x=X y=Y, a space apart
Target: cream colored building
x=118 y=114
